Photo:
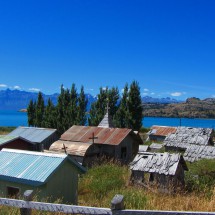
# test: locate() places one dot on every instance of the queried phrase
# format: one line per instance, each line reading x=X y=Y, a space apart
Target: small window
x=12 y=192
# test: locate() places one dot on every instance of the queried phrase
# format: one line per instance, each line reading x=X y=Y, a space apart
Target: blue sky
x=167 y=46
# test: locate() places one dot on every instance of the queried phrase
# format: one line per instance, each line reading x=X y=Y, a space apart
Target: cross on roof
x=93 y=137
x=64 y=147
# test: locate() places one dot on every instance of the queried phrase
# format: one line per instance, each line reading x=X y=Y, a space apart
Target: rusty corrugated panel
x=111 y=136
x=163 y=130
x=72 y=148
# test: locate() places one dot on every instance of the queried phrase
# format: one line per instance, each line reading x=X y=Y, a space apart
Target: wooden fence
x=117 y=207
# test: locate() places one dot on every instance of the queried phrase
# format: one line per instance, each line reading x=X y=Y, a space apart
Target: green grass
x=6 y=130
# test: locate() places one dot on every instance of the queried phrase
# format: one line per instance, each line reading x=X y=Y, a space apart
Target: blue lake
x=15 y=118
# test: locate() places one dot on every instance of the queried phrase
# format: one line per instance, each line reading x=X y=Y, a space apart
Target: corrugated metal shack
x=184 y=136
x=195 y=153
x=164 y=170
x=158 y=133
x=51 y=176
x=15 y=142
x=40 y=137
x=116 y=143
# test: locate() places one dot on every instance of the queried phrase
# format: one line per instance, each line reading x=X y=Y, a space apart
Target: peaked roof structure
x=106 y=121
x=35 y=135
x=84 y=134
x=195 y=153
x=184 y=136
x=161 y=130
x=161 y=163
x=33 y=168
x=4 y=139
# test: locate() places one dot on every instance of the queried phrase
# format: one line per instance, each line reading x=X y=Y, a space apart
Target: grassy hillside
x=193 y=107
x=6 y=130
x=101 y=183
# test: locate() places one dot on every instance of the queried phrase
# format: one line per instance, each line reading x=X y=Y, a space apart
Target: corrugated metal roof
x=194 y=153
x=36 y=135
x=72 y=148
x=143 y=148
x=110 y=136
x=161 y=130
x=28 y=167
x=156 y=146
x=161 y=163
x=184 y=136
x=6 y=139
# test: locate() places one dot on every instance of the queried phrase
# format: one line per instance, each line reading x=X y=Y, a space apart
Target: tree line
x=71 y=108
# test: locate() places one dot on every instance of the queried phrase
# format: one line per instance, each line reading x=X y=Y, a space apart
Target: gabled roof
x=35 y=135
x=161 y=163
x=84 y=134
x=4 y=139
x=194 y=153
x=161 y=130
x=188 y=135
x=72 y=148
x=33 y=168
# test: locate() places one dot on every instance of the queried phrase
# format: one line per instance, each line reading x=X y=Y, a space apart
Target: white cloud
x=146 y=90
x=90 y=89
x=176 y=94
x=104 y=88
x=152 y=93
x=34 y=89
x=144 y=94
x=3 y=85
x=17 y=87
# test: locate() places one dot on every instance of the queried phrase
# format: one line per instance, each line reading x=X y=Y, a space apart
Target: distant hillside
x=167 y=100
x=191 y=108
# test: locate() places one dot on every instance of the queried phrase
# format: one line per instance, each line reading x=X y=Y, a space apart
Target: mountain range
x=18 y=99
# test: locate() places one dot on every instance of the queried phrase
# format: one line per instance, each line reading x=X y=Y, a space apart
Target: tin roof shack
x=80 y=152
x=116 y=143
x=41 y=138
x=164 y=170
x=15 y=142
x=155 y=147
x=159 y=133
x=51 y=176
x=195 y=153
x=184 y=136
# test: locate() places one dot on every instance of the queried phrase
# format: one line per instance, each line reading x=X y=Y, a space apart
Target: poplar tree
x=50 y=115
x=40 y=107
x=121 y=116
x=82 y=108
x=31 y=113
x=73 y=105
x=135 y=109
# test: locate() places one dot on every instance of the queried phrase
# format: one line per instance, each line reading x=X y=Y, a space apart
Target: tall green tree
x=135 y=108
x=50 y=116
x=73 y=105
x=31 y=113
x=113 y=99
x=121 y=116
x=40 y=107
x=82 y=108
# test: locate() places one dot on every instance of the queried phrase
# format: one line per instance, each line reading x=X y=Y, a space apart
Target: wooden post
x=117 y=203
x=28 y=196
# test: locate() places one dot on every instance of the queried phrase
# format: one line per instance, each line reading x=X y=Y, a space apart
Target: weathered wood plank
x=73 y=209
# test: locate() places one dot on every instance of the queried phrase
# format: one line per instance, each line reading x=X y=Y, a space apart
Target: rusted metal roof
x=72 y=148
x=161 y=163
x=84 y=134
x=162 y=130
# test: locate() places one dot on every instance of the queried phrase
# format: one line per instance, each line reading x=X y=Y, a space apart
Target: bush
x=201 y=175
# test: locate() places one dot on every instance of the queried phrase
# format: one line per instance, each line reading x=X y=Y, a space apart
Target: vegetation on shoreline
x=191 y=108
x=5 y=130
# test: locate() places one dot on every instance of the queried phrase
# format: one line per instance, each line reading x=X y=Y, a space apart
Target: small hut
x=164 y=170
x=185 y=136
x=15 y=142
x=51 y=176
x=41 y=138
